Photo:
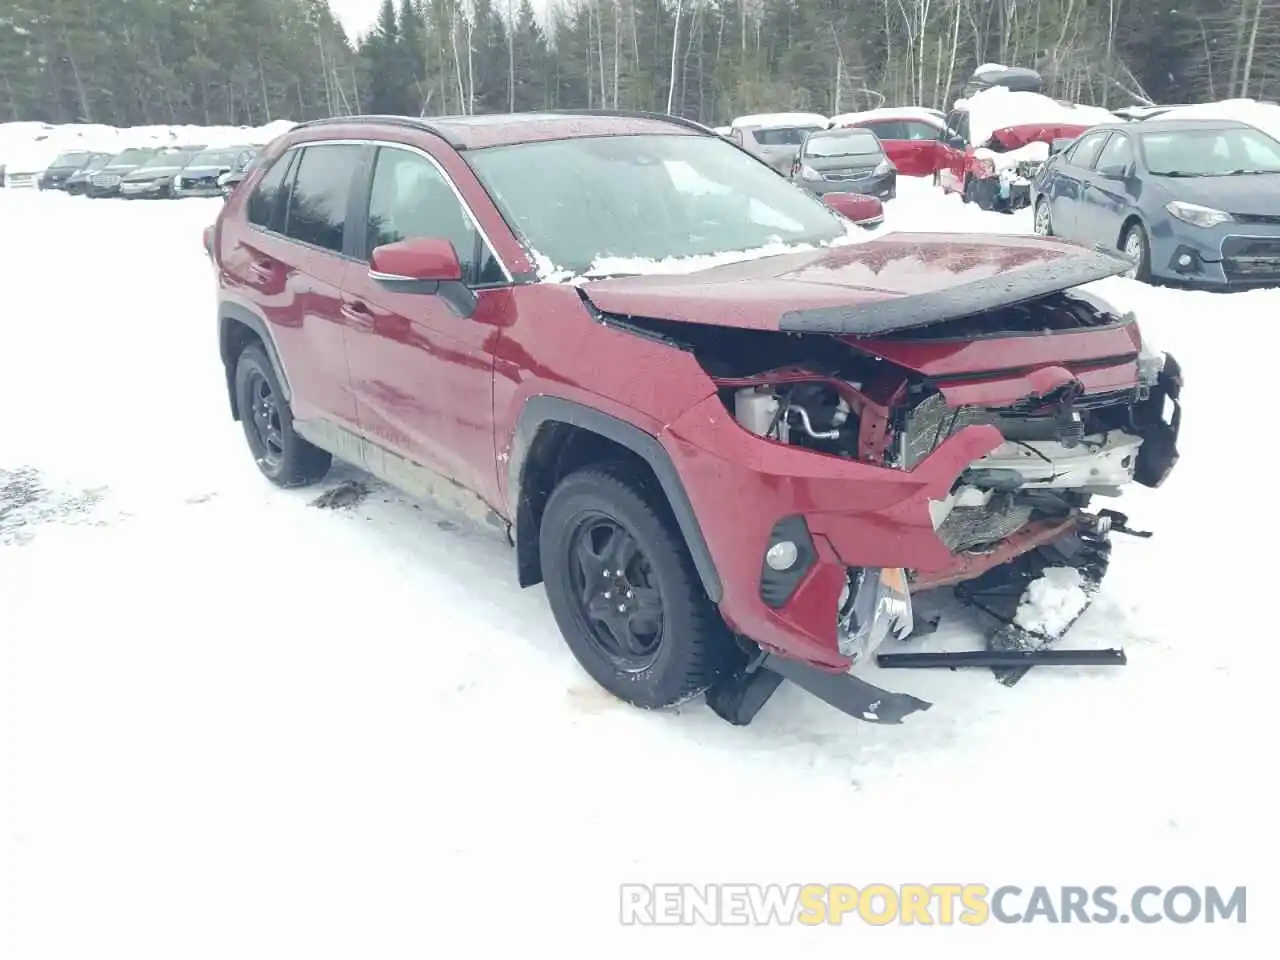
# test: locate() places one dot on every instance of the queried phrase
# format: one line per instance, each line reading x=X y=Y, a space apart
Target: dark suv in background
x=78 y=183
x=106 y=182
x=64 y=165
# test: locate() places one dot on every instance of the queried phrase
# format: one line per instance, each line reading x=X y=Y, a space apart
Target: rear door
x=918 y=148
x=1110 y=195
x=422 y=374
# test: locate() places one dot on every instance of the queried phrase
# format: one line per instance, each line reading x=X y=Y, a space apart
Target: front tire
x=624 y=591
x=284 y=458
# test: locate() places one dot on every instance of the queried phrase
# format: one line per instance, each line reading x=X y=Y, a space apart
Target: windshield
x=74 y=159
x=646 y=197
x=173 y=158
x=214 y=158
x=843 y=145
x=1211 y=153
x=130 y=158
x=98 y=162
x=782 y=136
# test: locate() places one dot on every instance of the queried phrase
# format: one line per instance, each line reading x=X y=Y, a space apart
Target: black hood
x=1253 y=193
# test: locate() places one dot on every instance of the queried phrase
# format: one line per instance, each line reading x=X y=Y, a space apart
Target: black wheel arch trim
x=228 y=312
x=542 y=409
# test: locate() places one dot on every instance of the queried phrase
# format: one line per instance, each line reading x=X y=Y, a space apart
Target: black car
x=199 y=178
x=241 y=169
x=845 y=160
x=78 y=182
x=64 y=165
x=155 y=177
x=106 y=182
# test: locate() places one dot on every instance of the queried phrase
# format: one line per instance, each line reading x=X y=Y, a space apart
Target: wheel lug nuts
x=608 y=594
x=622 y=608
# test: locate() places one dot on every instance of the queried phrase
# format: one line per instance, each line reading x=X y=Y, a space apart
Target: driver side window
x=1117 y=154
x=410 y=199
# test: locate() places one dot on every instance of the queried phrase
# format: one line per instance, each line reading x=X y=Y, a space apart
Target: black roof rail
x=426 y=125
x=396 y=120
x=640 y=115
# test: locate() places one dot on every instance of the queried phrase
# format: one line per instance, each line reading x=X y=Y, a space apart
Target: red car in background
x=910 y=135
x=996 y=141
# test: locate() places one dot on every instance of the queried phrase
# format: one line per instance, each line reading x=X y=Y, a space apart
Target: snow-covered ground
x=233 y=724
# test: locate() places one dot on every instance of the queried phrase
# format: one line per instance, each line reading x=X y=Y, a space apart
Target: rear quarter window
x=266 y=203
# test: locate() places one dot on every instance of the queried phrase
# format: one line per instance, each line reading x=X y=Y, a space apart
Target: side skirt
x=404 y=474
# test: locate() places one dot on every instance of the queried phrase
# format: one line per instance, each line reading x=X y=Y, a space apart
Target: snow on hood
x=923 y=114
x=999 y=108
x=549 y=272
x=1264 y=116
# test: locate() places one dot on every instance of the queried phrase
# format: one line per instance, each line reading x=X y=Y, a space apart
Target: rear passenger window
x=917 y=130
x=411 y=199
x=320 y=194
x=266 y=203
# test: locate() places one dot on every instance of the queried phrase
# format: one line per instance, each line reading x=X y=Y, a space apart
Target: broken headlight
x=1150 y=363
x=874 y=604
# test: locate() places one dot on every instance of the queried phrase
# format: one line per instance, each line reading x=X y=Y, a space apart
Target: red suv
x=732 y=433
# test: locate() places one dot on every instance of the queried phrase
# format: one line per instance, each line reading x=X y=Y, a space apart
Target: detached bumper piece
x=1012 y=648
x=739 y=696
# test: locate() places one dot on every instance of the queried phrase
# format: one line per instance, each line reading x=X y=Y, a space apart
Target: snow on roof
x=781 y=120
x=990 y=68
x=1264 y=116
x=923 y=114
x=997 y=108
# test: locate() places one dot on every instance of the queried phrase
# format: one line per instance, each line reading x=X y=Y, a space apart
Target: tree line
x=132 y=62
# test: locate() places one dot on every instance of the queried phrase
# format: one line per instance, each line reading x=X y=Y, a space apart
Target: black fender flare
x=541 y=409
x=228 y=312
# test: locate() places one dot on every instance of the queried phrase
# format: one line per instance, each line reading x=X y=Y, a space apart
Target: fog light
x=1184 y=260
x=782 y=555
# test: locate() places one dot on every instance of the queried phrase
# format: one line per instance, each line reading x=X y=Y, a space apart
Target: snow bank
x=27 y=147
x=922 y=114
x=997 y=108
x=1264 y=116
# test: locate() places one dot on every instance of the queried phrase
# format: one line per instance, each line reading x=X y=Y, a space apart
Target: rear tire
x=1134 y=245
x=283 y=457
x=607 y=541
x=1043 y=218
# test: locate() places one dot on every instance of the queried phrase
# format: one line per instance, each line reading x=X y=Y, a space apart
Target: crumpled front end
x=829 y=499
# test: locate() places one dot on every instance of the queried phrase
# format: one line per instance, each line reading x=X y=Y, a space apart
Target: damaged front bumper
x=868 y=538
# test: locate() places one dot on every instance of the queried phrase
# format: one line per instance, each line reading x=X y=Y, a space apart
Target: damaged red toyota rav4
x=732 y=433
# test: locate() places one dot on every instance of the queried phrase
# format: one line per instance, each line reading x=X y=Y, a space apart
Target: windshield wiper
x=1178 y=173
x=1245 y=173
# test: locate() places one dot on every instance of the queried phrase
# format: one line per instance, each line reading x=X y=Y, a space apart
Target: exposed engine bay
x=1059 y=450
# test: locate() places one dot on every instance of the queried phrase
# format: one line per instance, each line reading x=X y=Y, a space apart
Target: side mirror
x=423 y=261
x=956 y=143
x=866 y=212
x=1113 y=172
x=423 y=265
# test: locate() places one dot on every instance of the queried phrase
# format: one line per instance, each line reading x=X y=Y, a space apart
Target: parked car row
x=151 y=172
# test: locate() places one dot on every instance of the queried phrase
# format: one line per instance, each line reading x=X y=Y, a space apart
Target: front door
x=422 y=374
x=953 y=151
